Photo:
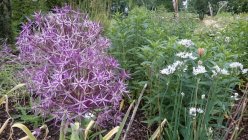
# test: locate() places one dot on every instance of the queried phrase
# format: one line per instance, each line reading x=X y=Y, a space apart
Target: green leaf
x=111 y=133
x=15 y=88
x=117 y=136
x=25 y=130
x=75 y=131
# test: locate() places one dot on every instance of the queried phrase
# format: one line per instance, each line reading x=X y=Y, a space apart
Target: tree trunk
x=175 y=6
x=5 y=21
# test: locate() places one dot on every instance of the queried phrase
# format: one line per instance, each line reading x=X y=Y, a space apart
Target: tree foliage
x=5 y=21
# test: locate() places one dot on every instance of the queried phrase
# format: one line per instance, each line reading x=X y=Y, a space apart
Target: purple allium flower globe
x=67 y=67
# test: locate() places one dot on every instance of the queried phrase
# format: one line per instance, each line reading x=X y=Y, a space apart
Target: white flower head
x=236 y=65
x=236 y=94
x=185 y=42
x=203 y=96
x=227 y=39
x=193 y=111
x=235 y=97
x=224 y=72
x=171 y=68
x=199 y=70
x=244 y=71
x=218 y=70
x=199 y=110
x=210 y=131
x=183 y=94
x=186 y=55
x=89 y=115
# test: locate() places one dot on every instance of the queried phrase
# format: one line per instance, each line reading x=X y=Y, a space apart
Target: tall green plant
x=139 y=40
x=196 y=92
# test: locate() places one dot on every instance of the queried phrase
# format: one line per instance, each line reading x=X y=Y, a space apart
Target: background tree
x=238 y=6
x=5 y=21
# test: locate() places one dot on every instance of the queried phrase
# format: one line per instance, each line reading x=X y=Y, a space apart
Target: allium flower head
x=68 y=68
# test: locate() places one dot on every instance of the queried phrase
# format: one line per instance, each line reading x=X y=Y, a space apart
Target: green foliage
x=238 y=6
x=238 y=34
x=138 y=41
x=5 y=21
x=27 y=116
x=183 y=90
x=21 y=9
x=145 y=42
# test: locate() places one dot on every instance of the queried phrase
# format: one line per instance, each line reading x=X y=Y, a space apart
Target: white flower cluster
x=238 y=65
x=199 y=70
x=193 y=111
x=244 y=71
x=186 y=55
x=235 y=96
x=183 y=94
x=185 y=42
x=171 y=68
x=218 y=70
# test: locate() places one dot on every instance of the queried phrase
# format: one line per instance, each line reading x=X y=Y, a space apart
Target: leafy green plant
x=139 y=39
x=197 y=91
x=26 y=116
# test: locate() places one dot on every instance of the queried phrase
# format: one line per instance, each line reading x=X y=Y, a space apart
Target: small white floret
x=199 y=70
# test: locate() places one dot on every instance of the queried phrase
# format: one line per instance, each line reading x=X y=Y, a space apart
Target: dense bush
x=66 y=67
x=238 y=6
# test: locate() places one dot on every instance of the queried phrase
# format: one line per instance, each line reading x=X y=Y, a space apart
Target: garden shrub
x=67 y=68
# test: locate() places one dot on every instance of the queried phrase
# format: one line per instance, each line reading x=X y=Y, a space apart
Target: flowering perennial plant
x=193 y=111
x=196 y=83
x=67 y=67
x=199 y=70
x=217 y=70
x=171 y=68
x=186 y=55
x=236 y=65
x=185 y=42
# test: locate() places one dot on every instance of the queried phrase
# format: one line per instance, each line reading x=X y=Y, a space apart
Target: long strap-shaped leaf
x=134 y=111
x=88 y=129
x=15 y=88
x=158 y=130
x=111 y=133
x=24 y=129
x=4 y=125
x=117 y=136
